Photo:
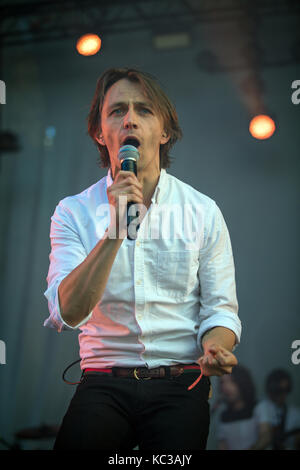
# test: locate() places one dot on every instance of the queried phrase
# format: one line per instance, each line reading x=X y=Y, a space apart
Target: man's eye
x=121 y=110
x=116 y=111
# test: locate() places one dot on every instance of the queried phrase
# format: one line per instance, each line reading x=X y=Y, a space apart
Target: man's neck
x=149 y=186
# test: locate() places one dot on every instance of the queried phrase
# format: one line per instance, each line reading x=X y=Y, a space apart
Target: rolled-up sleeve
x=67 y=252
x=218 y=300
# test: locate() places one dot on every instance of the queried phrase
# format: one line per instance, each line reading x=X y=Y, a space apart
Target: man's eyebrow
x=124 y=103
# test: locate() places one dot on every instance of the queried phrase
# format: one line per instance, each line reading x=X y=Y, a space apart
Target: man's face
x=128 y=112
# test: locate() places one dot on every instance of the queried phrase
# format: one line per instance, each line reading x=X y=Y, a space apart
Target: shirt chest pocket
x=176 y=273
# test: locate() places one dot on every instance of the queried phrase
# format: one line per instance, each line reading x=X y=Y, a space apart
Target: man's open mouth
x=131 y=141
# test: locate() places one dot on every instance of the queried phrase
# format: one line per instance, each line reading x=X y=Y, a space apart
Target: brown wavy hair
x=154 y=92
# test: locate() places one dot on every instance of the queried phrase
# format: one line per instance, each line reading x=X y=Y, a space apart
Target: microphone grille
x=128 y=151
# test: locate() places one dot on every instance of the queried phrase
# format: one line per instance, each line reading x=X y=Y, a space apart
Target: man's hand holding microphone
x=125 y=196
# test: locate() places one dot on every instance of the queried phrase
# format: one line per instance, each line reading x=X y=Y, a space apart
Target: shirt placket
x=142 y=316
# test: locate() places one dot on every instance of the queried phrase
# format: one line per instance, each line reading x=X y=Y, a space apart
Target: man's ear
x=100 y=139
x=164 y=138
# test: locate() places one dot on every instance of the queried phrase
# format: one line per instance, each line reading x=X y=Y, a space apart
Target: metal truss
x=37 y=21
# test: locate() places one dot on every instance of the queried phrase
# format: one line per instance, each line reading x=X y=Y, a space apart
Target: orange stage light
x=89 y=44
x=262 y=127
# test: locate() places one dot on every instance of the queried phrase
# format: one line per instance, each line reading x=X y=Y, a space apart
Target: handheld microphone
x=128 y=156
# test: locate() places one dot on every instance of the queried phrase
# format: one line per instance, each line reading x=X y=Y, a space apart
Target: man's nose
x=130 y=119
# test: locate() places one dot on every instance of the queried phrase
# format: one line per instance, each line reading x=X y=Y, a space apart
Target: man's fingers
x=215 y=368
x=217 y=361
x=223 y=356
x=221 y=361
x=128 y=177
x=226 y=359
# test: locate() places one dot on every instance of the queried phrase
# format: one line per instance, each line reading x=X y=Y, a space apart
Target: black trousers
x=119 y=413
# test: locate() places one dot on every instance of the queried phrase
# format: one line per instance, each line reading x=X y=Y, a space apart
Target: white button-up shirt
x=166 y=288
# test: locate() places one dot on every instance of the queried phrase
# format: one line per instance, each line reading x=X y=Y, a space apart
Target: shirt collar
x=160 y=187
x=109 y=180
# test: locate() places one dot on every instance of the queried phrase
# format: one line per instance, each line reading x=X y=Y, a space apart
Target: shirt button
x=139 y=282
x=137 y=243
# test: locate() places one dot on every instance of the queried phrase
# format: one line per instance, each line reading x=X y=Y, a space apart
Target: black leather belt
x=145 y=373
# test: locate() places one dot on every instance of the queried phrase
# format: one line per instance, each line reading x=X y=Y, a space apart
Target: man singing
x=156 y=312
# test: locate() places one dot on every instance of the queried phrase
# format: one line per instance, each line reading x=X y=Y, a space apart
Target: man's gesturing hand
x=217 y=360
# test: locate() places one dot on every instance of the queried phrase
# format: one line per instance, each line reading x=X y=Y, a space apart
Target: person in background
x=282 y=418
x=238 y=426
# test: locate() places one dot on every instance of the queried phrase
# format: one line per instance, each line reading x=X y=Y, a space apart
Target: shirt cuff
x=226 y=319
x=55 y=319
